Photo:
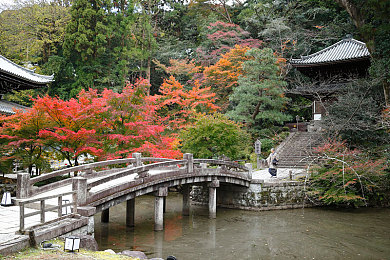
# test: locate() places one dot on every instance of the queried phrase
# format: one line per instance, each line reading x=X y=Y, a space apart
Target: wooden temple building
x=15 y=77
x=330 y=69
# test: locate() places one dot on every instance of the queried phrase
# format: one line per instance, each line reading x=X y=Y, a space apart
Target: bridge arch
x=101 y=190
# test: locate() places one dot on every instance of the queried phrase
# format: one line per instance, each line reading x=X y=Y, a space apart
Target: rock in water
x=134 y=254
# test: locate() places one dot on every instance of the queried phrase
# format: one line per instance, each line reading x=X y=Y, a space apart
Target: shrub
x=348 y=177
x=215 y=135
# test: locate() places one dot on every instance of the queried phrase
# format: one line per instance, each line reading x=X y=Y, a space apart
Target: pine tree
x=259 y=98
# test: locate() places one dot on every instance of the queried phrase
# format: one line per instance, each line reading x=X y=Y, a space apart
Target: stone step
x=299 y=150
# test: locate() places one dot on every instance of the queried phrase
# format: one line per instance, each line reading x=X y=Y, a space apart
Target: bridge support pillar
x=105 y=217
x=213 y=198
x=186 y=200
x=159 y=208
x=130 y=212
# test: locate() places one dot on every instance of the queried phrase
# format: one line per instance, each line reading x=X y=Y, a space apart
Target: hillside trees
x=294 y=28
x=220 y=37
x=372 y=21
x=34 y=32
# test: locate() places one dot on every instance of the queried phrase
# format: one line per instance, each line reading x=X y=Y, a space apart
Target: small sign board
x=257 y=147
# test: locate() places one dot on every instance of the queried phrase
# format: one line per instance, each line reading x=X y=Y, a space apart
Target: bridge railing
x=225 y=163
x=43 y=208
x=138 y=169
x=26 y=185
x=143 y=180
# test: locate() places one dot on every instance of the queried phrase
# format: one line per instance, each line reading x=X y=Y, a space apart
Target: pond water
x=310 y=233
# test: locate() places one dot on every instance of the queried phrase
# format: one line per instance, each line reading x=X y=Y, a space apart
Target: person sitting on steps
x=272 y=161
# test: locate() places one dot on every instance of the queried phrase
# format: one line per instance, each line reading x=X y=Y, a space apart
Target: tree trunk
x=386 y=90
x=148 y=73
x=30 y=169
x=256 y=112
x=353 y=11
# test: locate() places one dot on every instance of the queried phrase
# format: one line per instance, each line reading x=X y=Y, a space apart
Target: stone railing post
x=88 y=171
x=79 y=184
x=138 y=162
x=250 y=169
x=23 y=185
x=137 y=157
x=190 y=162
x=223 y=166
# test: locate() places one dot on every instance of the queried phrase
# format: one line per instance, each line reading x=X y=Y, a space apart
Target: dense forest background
x=199 y=57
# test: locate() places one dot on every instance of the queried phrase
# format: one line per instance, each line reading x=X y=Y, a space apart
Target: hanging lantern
x=6 y=200
x=72 y=243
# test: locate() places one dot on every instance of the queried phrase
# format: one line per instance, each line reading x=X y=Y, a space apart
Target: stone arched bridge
x=100 y=185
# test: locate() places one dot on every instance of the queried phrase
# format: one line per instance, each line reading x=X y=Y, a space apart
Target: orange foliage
x=223 y=76
x=177 y=106
x=180 y=67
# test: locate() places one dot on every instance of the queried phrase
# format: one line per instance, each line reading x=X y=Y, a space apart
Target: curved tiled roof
x=8 y=108
x=13 y=69
x=346 y=49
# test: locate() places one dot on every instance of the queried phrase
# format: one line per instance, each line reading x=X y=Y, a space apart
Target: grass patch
x=38 y=253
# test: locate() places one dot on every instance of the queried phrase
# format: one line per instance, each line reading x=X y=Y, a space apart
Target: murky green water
x=235 y=234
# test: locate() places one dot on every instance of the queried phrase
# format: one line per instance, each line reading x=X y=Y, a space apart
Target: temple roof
x=344 y=50
x=13 y=76
x=8 y=108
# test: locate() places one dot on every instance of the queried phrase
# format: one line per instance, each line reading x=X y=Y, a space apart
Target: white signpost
x=258 y=152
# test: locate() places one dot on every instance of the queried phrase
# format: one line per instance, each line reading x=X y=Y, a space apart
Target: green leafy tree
x=86 y=40
x=259 y=98
x=215 y=135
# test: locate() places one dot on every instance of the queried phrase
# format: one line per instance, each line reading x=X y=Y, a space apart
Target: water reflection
x=288 y=234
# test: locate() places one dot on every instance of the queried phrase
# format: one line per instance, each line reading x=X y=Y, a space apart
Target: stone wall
x=259 y=195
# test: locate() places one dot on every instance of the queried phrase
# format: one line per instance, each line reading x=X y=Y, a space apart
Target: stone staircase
x=297 y=150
